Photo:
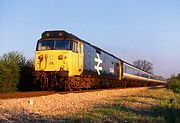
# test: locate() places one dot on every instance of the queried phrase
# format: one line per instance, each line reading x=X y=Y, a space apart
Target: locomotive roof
x=64 y=34
x=58 y=34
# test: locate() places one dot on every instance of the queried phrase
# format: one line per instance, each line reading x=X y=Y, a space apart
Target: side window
x=75 y=47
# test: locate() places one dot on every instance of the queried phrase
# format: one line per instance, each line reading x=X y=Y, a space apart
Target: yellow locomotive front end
x=50 y=60
x=57 y=59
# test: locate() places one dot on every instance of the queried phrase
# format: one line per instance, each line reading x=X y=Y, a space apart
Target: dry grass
x=153 y=106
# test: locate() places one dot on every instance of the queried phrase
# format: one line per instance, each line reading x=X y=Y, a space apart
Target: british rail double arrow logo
x=99 y=61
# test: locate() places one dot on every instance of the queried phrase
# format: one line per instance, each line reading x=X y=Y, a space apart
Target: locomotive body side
x=99 y=64
x=102 y=69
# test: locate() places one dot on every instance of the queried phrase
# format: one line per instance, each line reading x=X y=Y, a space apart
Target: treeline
x=16 y=72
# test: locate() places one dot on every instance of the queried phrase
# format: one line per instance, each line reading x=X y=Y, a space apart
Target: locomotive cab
x=58 y=57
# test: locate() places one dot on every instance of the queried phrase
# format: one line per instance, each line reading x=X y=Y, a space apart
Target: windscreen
x=45 y=45
x=54 y=45
x=62 y=45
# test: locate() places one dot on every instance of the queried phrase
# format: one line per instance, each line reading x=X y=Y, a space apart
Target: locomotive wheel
x=69 y=85
x=78 y=83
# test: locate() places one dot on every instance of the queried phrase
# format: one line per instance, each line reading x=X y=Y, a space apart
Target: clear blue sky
x=129 y=29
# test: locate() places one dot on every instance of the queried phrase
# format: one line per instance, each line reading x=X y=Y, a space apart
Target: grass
x=153 y=106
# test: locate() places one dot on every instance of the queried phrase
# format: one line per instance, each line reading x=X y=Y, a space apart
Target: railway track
x=12 y=95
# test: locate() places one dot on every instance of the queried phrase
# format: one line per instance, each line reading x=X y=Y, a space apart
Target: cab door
x=80 y=57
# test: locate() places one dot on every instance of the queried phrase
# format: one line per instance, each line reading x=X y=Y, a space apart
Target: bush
x=10 y=71
x=16 y=73
x=174 y=83
x=26 y=76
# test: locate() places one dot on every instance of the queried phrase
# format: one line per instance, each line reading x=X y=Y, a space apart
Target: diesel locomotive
x=64 y=61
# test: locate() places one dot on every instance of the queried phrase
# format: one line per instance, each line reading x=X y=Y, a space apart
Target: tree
x=173 y=83
x=10 y=71
x=16 y=72
x=144 y=65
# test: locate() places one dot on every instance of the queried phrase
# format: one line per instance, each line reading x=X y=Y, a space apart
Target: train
x=64 y=61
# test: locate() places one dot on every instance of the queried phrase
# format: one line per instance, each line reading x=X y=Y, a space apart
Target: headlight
x=51 y=57
x=68 y=55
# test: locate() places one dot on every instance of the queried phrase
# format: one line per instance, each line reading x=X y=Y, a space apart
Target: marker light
x=40 y=57
x=47 y=34
x=60 y=57
x=60 y=34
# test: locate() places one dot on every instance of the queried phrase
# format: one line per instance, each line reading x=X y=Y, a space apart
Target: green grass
x=153 y=106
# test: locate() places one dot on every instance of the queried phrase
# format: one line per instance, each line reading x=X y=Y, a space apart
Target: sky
x=128 y=29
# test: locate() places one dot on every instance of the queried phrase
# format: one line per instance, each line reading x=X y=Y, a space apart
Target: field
x=118 y=105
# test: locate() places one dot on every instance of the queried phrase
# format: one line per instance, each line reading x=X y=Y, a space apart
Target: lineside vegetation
x=173 y=83
x=15 y=72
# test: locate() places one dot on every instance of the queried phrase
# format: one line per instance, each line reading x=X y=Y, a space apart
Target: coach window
x=125 y=69
x=75 y=47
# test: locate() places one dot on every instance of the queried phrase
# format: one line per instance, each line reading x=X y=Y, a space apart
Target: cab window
x=62 y=45
x=45 y=45
x=54 y=45
x=75 y=47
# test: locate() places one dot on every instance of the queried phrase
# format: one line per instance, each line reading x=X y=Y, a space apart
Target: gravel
x=52 y=107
